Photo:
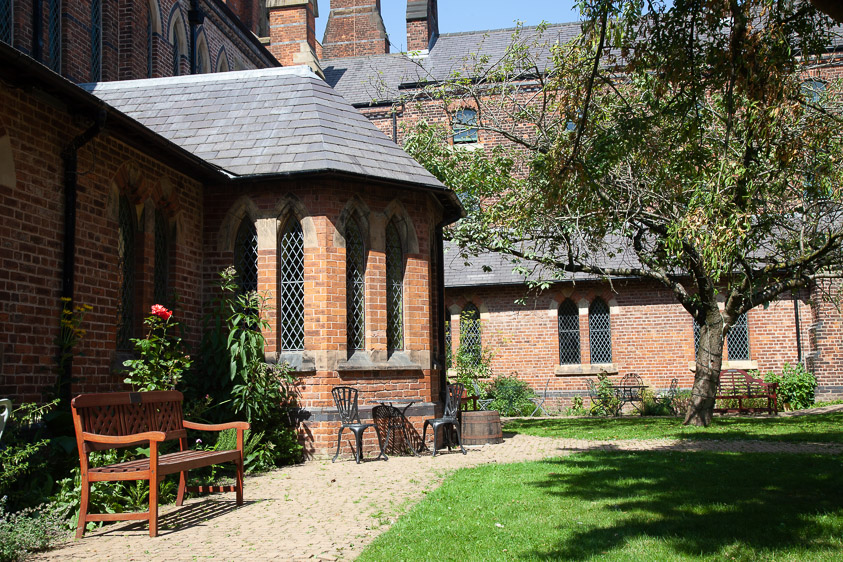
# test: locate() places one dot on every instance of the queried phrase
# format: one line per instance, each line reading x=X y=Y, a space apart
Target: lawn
x=819 y=428
x=629 y=506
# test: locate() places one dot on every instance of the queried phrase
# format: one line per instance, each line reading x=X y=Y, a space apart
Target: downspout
x=70 y=161
x=440 y=307
x=798 y=329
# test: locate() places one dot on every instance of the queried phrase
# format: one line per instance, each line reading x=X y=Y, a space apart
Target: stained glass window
x=600 y=332
x=246 y=256
x=394 y=289
x=470 y=340
x=291 y=266
x=355 y=269
x=569 y=333
x=161 y=280
x=737 y=341
x=126 y=272
x=96 y=40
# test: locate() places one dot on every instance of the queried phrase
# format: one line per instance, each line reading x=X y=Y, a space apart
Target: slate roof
x=378 y=78
x=265 y=122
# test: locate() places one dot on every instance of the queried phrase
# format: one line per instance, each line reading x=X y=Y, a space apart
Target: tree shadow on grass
x=709 y=504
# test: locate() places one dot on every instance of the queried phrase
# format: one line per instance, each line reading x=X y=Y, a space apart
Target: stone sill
x=361 y=361
x=585 y=369
x=743 y=365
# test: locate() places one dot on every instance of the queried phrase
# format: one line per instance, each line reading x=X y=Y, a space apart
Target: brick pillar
x=422 y=24
x=355 y=28
x=292 y=32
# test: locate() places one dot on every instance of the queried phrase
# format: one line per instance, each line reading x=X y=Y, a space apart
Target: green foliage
x=796 y=386
x=472 y=364
x=511 y=396
x=162 y=357
x=29 y=530
x=577 y=407
x=607 y=402
x=653 y=405
x=70 y=335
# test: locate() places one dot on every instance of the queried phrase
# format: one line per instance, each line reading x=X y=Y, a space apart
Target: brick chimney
x=355 y=28
x=251 y=13
x=292 y=32
x=422 y=24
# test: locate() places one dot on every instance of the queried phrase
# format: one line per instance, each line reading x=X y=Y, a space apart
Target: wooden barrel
x=479 y=428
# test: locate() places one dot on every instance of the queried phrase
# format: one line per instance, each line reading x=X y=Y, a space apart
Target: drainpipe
x=69 y=158
x=440 y=306
x=195 y=18
x=798 y=330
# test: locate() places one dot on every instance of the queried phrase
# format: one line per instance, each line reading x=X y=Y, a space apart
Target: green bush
x=652 y=405
x=607 y=402
x=512 y=396
x=577 y=407
x=32 y=529
x=796 y=386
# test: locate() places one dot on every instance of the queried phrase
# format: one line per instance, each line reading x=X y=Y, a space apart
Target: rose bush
x=162 y=359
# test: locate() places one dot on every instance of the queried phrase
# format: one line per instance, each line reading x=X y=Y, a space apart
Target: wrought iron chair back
x=669 y=398
x=540 y=400
x=482 y=403
x=345 y=398
x=5 y=412
x=453 y=397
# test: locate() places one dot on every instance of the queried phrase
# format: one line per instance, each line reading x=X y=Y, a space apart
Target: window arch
x=569 y=333
x=126 y=229
x=161 y=276
x=153 y=27
x=465 y=125
x=6 y=21
x=246 y=255
x=222 y=61
x=471 y=343
x=178 y=39
x=737 y=342
x=96 y=40
x=203 y=57
x=600 y=331
x=355 y=284
x=291 y=290
x=394 y=288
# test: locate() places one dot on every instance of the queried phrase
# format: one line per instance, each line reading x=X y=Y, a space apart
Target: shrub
x=652 y=405
x=577 y=407
x=32 y=529
x=162 y=358
x=796 y=386
x=607 y=402
x=512 y=396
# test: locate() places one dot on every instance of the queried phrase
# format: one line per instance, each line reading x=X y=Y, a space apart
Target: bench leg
x=83 y=508
x=153 y=506
x=239 y=481
x=182 y=488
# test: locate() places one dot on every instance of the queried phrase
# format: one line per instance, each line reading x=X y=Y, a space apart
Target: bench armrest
x=215 y=426
x=124 y=439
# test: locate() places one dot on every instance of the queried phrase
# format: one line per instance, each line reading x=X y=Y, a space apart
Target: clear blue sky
x=465 y=15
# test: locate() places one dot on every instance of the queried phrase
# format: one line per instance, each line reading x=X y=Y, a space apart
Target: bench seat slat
x=167 y=464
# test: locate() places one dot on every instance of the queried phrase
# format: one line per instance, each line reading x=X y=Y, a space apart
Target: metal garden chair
x=452 y=409
x=345 y=397
x=669 y=398
x=5 y=412
x=540 y=400
x=482 y=403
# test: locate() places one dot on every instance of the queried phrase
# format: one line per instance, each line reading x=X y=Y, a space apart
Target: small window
x=96 y=40
x=696 y=339
x=600 y=332
x=246 y=256
x=465 y=126
x=6 y=21
x=161 y=281
x=54 y=34
x=470 y=340
x=448 y=358
x=355 y=280
x=394 y=289
x=126 y=228
x=291 y=266
x=177 y=48
x=812 y=90
x=569 y=333
x=737 y=342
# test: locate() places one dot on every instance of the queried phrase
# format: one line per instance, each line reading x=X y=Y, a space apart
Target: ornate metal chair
x=345 y=397
x=669 y=398
x=5 y=412
x=482 y=403
x=540 y=400
x=453 y=394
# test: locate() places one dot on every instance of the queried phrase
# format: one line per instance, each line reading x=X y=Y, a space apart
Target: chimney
x=355 y=28
x=422 y=24
x=292 y=32
x=249 y=12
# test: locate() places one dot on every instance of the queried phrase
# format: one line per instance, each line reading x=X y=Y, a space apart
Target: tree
x=677 y=142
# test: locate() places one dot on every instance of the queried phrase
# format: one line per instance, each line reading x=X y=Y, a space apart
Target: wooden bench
x=132 y=419
x=736 y=384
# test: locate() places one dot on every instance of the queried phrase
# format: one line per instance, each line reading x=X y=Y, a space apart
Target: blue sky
x=466 y=15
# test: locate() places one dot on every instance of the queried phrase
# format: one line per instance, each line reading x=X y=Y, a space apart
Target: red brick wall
x=31 y=231
x=355 y=28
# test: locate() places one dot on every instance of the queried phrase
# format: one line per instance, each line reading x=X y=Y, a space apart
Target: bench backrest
x=733 y=381
x=127 y=413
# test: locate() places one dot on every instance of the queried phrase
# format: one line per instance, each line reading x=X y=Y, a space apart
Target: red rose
x=161 y=312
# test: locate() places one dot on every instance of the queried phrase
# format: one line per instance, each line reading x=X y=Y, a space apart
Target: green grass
x=629 y=506
x=820 y=428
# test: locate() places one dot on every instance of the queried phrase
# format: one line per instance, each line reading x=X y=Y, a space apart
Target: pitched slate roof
x=265 y=122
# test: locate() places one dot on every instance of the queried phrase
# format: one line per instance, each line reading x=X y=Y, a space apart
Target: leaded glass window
x=161 y=280
x=177 y=48
x=569 y=333
x=448 y=358
x=394 y=289
x=696 y=339
x=291 y=266
x=246 y=256
x=471 y=344
x=54 y=33
x=96 y=40
x=6 y=21
x=126 y=272
x=738 y=340
x=600 y=332
x=355 y=270
x=465 y=126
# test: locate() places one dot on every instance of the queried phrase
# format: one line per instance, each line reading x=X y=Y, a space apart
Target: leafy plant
x=70 y=335
x=511 y=396
x=162 y=356
x=653 y=405
x=29 y=530
x=796 y=386
x=577 y=407
x=471 y=364
x=607 y=402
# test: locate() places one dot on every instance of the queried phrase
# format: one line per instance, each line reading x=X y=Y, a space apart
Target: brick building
x=561 y=337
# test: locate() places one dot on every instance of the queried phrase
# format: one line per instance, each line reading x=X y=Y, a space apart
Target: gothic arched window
x=355 y=285
x=569 y=333
x=126 y=228
x=394 y=289
x=161 y=279
x=600 y=332
x=96 y=40
x=291 y=291
x=246 y=256
x=470 y=340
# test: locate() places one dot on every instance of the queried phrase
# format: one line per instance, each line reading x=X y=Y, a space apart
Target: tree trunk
x=709 y=361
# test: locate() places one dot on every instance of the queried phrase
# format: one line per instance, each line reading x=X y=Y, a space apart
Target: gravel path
x=324 y=511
